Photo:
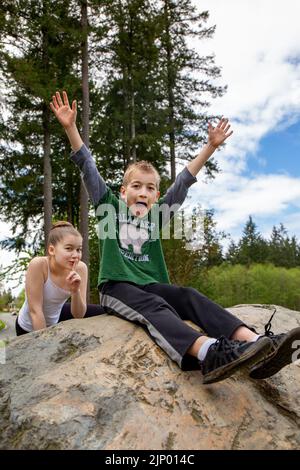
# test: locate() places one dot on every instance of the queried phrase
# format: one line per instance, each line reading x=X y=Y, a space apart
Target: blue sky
x=257 y=46
x=278 y=152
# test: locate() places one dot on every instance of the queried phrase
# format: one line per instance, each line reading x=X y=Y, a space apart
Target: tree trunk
x=132 y=125
x=47 y=170
x=70 y=197
x=47 y=187
x=84 y=205
x=128 y=93
x=126 y=130
x=171 y=100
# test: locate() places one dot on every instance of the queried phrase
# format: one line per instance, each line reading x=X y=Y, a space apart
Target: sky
x=257 y=46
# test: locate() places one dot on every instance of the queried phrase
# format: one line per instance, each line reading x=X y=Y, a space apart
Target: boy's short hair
x=142 y=165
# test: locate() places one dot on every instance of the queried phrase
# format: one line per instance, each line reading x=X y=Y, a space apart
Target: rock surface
x=101 y=383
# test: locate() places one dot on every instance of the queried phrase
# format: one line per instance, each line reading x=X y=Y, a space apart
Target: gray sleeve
x=93 y=181
x=177 y=193
x=175 y=196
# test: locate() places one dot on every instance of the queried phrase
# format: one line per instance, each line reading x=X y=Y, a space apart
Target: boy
x=133 y=279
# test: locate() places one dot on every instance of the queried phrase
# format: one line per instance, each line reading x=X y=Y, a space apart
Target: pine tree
x=203 y=238
x=33 y=69
x=283 y=250
x=185 y=104
x=129 y=123
x=232 y=253
x=150 y=105
x=212 y=249
x=252 y=248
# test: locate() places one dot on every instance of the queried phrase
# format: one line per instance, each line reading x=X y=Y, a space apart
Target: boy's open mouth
x=141 y=203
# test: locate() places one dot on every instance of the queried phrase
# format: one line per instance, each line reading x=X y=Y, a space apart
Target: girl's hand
x=217 y=135
x=73 y=280
x=65 y=115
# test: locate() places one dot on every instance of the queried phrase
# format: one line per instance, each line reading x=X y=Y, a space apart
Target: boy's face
x=140 y=193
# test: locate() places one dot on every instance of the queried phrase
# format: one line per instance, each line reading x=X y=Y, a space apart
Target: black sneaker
x=225 y=356
x=283 y=348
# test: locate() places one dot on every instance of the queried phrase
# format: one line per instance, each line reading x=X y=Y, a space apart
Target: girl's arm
x=34 y=286
x=77 y=281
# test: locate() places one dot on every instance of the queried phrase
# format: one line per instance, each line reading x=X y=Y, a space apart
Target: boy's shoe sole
x=251 y=356
x=281 y=357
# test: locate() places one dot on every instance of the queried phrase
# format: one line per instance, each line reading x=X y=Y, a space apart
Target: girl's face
x=67 y=252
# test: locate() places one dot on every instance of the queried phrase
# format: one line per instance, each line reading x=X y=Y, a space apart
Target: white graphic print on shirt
x=130 y=234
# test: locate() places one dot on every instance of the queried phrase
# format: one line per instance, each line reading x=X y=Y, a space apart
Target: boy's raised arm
x=216 y=136
x=177 y=193
x=81 y=155
x=67 y=117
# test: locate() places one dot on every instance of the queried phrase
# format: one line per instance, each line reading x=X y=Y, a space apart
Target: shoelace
x=223 y=342
x=220 y=342
x=268 y=325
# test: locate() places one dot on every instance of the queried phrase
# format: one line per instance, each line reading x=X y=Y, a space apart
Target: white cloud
x=262 y=197
x=257 y=45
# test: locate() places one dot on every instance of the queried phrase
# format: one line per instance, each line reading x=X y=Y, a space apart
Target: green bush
x=2 y=325
x=257 y=284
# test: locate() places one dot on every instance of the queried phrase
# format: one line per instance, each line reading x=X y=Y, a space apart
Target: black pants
x=65 y=314
x=161 y=309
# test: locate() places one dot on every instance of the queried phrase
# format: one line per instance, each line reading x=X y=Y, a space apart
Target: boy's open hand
x=62 y=110
x=217 y=135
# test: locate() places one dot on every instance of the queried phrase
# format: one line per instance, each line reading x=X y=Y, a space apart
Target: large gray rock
x=101 y=383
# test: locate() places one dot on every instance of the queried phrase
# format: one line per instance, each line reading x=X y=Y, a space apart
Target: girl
x=51 y=280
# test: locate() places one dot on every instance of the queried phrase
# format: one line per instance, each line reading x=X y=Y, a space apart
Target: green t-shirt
x=130 y=247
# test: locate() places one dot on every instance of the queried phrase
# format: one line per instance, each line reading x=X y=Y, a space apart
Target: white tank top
x=53 y=299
